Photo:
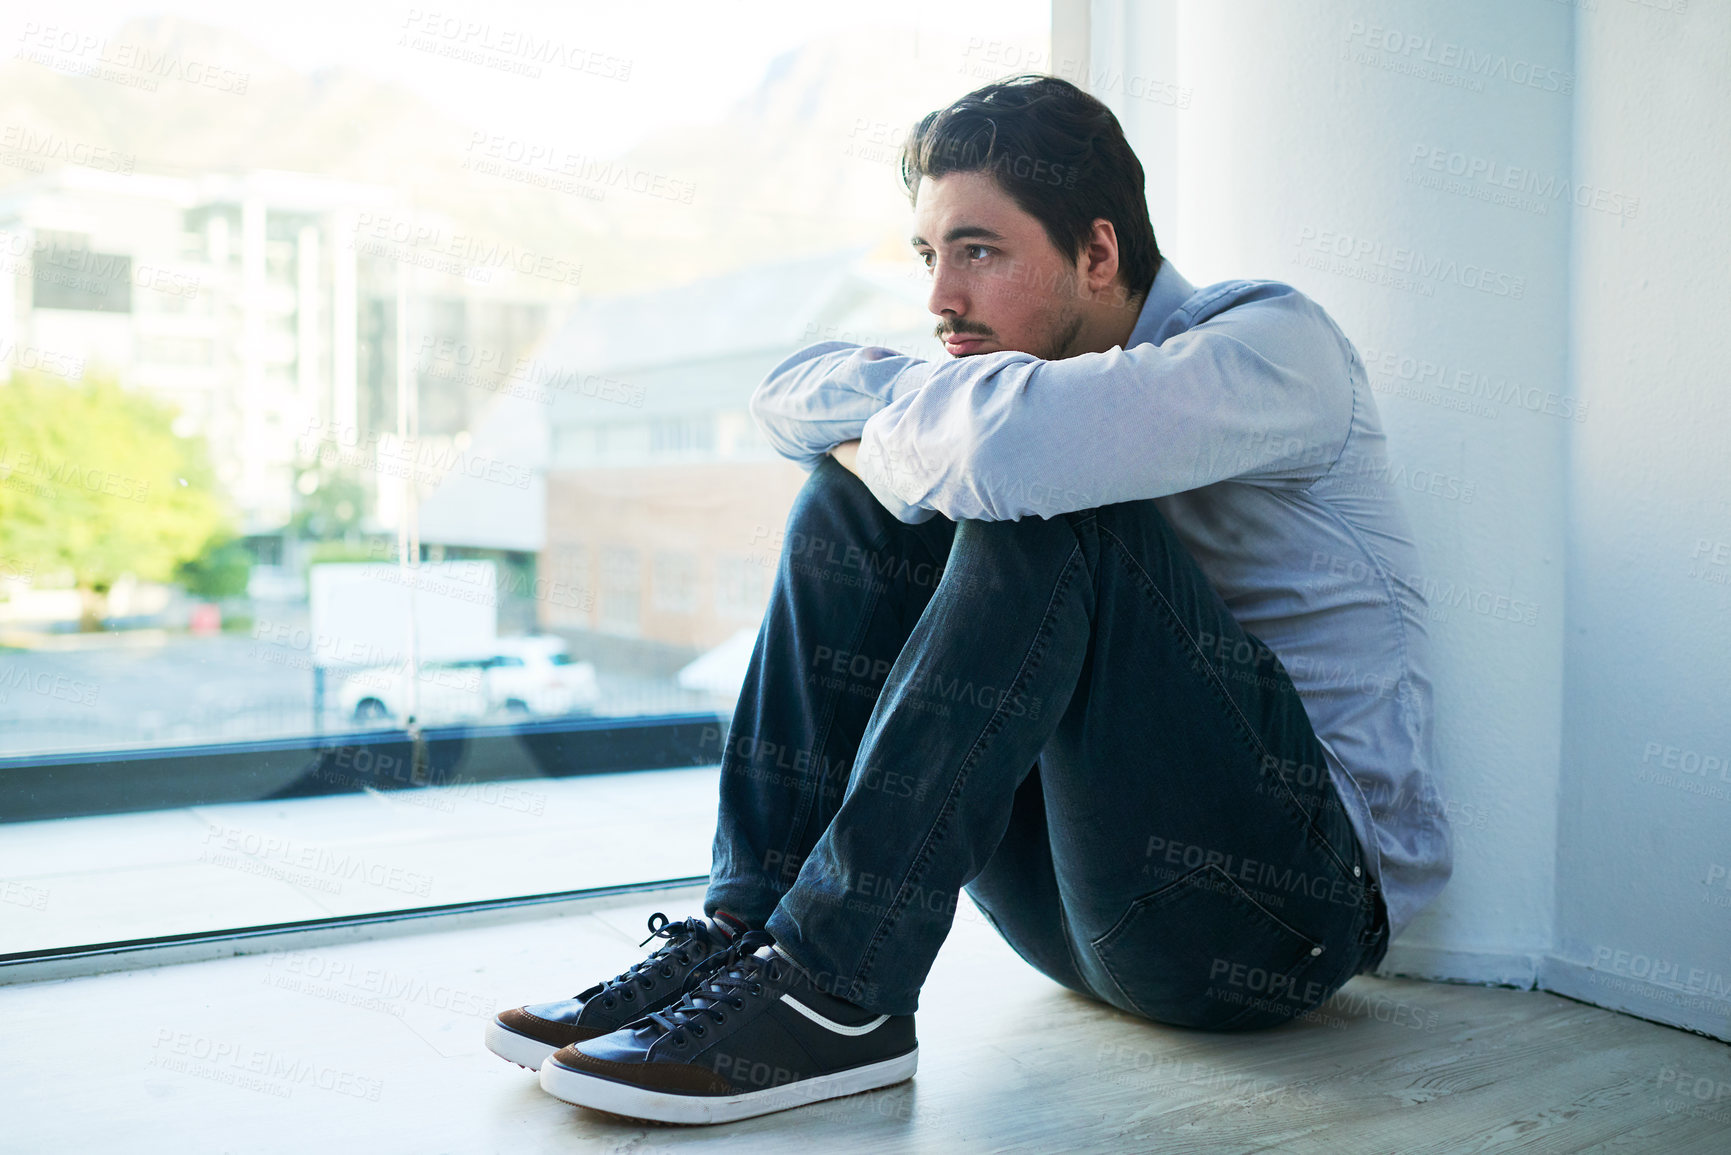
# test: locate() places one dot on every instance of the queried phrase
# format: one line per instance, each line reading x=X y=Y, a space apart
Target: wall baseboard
x=1480 y=968
x=1703 y=1012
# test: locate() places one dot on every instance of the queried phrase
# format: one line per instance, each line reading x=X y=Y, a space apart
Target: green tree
x=94 y=481
x=220 y=570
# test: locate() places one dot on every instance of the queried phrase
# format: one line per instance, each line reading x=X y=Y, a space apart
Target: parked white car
x=537 y=675
x=445 y=691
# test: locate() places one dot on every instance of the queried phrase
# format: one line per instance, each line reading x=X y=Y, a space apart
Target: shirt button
x=1356 y=872
x=1314 y=951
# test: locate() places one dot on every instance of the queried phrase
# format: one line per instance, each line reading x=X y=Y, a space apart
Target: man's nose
x=947 y=298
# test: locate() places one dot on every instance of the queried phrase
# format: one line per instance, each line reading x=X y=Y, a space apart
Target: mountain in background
x=804 y=163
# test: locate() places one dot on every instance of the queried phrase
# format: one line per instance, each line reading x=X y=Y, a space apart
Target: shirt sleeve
x=1260 y=390
x=823 y=395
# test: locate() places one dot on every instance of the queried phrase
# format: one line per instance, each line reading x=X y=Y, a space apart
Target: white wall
x=1293 y=139
x=1644 y=888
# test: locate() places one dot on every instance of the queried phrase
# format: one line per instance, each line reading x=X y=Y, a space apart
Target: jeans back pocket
x=1202 y=952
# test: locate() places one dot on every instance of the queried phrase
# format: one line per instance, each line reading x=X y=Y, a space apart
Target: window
x=682 y=435
x=621 y=590
x=362 y=493
x=675 y=581
x=741 y=586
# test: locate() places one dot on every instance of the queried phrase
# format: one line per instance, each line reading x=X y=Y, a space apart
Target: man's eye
x=977 y=252
x=926 y=259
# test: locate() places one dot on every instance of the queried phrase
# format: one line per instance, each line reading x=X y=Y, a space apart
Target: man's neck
x=1107 y=322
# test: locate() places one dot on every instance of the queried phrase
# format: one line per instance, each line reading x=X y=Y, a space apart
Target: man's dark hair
x=1060 y=155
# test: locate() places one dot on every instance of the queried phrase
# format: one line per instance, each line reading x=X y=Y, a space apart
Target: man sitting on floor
x=1110 y=618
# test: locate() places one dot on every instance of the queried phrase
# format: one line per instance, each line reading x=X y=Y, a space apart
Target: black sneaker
x=754 y=1035
x=527 y=1035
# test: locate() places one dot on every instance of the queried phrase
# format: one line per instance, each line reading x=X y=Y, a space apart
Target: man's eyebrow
x=963 y=232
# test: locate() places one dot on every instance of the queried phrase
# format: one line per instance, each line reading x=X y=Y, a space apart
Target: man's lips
x=962 y=343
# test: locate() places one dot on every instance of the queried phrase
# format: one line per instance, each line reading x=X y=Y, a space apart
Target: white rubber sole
x=519 y=1049
x=663 y=1107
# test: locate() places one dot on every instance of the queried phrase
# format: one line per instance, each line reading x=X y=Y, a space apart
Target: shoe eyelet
x=628 y=996
x=666 y=972
x=648 y=983
x=720 y=1017
x=700 y=1030
x=609 y=1003
x=756 y=989
x=679 y=1040
x=738 y=1004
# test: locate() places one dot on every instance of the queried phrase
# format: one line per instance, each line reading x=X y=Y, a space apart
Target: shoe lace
x=677 y=934
x=720 y=982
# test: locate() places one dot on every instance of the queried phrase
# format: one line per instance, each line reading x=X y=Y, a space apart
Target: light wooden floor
x=377 y=1047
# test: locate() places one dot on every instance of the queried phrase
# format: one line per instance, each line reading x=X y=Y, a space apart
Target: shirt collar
x=1169 y=291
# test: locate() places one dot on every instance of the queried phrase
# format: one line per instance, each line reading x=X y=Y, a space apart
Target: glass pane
x=368 y=373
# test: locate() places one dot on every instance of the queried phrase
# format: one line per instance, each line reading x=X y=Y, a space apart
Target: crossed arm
x=1262 y=390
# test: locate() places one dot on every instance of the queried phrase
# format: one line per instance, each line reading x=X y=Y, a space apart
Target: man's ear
x=1100 y=256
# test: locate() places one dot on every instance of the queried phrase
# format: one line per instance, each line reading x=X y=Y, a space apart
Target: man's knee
x=832 y=507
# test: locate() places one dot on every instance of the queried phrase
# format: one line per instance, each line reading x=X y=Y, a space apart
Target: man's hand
x=845 y=453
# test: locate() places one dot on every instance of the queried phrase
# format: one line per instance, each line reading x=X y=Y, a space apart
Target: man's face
x=998 y=283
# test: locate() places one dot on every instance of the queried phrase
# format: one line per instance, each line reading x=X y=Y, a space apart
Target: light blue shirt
x=1245 y=413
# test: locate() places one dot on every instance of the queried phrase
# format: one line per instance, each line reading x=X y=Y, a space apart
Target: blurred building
x=263 y=306
x=665 y=507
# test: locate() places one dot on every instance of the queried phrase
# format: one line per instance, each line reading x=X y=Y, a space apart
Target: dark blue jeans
x=1063 y=717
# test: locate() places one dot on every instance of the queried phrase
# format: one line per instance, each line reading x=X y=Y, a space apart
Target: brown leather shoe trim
x=542 y=1031
x=680 y=1078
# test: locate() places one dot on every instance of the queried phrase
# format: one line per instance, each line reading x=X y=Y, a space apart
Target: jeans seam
x=809 y=797
x=993 y=724
x=1308 y=822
